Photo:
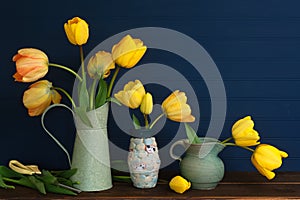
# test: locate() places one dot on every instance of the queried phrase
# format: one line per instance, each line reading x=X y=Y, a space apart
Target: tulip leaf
x=46 y=182
x=83 y=95
x=40 y=186
x=191 y=134
x=81 y=112
x=65 y=173
x=101 y=94
x=6 y=172
x=47 y=177
x=125 y=179
x=65 y=181
x=58 y=190
x=136 y=122
x=112 y=99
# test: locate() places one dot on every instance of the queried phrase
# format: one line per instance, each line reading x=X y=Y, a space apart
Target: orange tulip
x=39 y=96
x=31 y=65
x=176 y=108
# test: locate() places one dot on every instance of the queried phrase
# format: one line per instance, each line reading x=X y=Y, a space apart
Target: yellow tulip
x=179 y=184
x=132 y=94
x=128 y=52
x=100 y=65
x=77 y=31
x=147 y=104
x=266 y=158
x=31 y=65
x=39 y=96
x=244 y=134
x=176 y=108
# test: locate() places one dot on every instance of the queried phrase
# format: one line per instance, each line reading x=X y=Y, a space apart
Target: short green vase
x=201 y=164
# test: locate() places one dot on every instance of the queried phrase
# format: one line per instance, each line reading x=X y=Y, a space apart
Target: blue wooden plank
x=255 y=45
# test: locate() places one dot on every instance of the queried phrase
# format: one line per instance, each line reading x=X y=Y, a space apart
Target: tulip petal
x=132 y=94
x=39 y=96
x=81 y=33
x=283 y=154
x=243 y=132
x=77 y=31
x=267 y=173
x=128 y=52
x=176 y=108
x=31 y=65
x=55 y=96
x=69 y=33
x=31 y=53
x=147 y=104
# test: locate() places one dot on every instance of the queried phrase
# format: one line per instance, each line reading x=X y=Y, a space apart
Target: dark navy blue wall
x=255 y=45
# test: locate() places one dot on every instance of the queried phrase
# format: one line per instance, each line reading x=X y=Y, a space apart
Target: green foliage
x=55 y=181
x=112 y=99
x=83 y=97
x=81 y=112
x=64 y=173
x=4 y=185
x=6 y=172
x=101 y=94
x=136 y=122
x=38 y=184
x=191 y=134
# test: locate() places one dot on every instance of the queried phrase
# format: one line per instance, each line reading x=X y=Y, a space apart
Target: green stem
x=224 y=141
x=20 y=182
x=233 y=144
x=146 y=121
x=67 y=69
x=92 y=94
x=112 y=81
x=67 y=94
x=10 y=180
x=82 y=60
x=156 y=120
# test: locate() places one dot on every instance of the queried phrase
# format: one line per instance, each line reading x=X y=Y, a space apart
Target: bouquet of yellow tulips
x=174 y=107
x=265 y=157
x=33 y=64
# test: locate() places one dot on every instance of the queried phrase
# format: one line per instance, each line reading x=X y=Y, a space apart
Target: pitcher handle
x=55 y=140
x=179 y=142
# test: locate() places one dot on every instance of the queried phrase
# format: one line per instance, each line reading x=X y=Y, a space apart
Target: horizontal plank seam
x=260 y=183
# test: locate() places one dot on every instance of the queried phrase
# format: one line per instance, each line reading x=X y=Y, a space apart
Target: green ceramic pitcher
x=201 y=164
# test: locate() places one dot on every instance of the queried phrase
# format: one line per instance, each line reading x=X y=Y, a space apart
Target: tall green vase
x=201 y=164
x=91 y=152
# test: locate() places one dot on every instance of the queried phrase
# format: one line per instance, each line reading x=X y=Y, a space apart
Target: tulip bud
x=147 y=104
x=77 y=31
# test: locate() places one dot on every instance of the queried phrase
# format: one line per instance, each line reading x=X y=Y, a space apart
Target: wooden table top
x=235 y=185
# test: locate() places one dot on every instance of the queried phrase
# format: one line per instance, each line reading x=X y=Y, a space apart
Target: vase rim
x=209 y=140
